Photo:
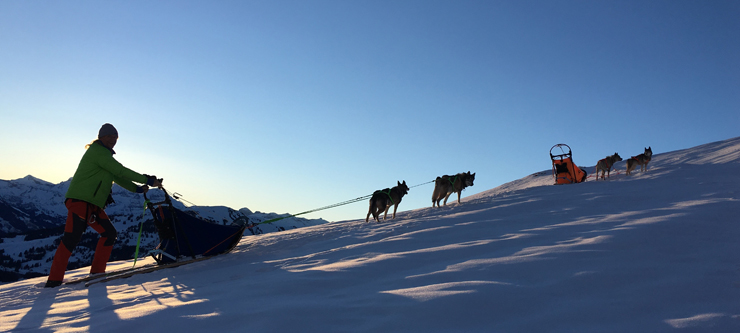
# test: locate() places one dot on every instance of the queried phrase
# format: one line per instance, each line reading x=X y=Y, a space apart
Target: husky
x=642 y=160
x=446 y=185
x=605 y=165
x=384 y=199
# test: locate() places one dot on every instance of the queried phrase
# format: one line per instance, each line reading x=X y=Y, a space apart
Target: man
x=88 y=194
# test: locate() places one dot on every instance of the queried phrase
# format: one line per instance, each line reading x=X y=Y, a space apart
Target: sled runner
x=183 y=237
x=129 y=272
x=563 y=168
x=138 y=270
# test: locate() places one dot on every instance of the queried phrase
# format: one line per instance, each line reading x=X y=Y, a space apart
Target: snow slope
x=652 y=252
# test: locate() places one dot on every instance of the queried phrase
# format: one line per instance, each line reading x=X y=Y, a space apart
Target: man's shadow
x=101 y=309
x=42 y=300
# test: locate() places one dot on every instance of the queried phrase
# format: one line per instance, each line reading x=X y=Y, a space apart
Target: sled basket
x=182 y=235
x=563 y=169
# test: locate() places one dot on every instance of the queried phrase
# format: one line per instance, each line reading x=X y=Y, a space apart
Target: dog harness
x=453 y=182
x=389 y=195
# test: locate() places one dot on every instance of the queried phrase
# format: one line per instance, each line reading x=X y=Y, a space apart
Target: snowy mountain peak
x=35 y=209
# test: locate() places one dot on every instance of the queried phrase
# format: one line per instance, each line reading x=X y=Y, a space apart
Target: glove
x=152 y=180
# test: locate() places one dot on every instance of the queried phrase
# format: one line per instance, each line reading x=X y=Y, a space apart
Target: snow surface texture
x=652 y=252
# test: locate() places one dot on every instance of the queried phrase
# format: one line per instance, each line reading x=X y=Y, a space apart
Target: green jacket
x=96 y=173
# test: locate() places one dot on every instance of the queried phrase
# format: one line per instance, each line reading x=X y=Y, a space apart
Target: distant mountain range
x=32 y=217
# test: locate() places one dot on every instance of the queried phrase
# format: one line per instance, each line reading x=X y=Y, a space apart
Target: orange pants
x=80 y=214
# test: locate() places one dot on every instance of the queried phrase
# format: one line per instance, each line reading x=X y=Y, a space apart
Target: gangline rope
x=330 y=206
x=179 y=196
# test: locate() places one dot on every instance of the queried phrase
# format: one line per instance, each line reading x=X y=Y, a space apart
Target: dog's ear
x=399 y=183
x=404 y=182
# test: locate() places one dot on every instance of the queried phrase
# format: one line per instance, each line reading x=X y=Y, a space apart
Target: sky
x=287 y=106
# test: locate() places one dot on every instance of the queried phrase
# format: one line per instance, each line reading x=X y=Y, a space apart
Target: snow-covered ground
x=652 y=252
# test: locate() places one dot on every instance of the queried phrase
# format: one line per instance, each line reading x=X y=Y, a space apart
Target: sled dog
x=605 y=165
x=642 y=160
x=446 y=185
x=382 y=200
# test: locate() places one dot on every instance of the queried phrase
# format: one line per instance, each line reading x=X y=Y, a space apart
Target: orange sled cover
x=566 y=172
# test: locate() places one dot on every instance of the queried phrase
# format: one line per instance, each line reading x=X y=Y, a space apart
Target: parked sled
x=183 y=236
x=563 y=169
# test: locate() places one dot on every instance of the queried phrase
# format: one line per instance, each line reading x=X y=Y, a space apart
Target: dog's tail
x=435 y=193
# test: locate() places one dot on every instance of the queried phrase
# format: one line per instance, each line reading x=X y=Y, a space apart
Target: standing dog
x=446 y=185
x=642 y=160
x=384 y=199
x=605 y=165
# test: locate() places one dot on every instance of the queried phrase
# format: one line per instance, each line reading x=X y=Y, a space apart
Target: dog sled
x=563 y=169
x=184 y=237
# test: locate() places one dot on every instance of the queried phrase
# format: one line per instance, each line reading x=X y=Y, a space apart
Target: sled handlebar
x=167 y=199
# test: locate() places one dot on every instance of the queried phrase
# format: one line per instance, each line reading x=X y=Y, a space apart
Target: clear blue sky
x=285 y=106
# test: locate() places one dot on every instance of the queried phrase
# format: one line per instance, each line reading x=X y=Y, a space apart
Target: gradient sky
x=286 y=106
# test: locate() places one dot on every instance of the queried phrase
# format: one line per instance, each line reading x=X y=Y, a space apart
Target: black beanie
x=107 y=129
